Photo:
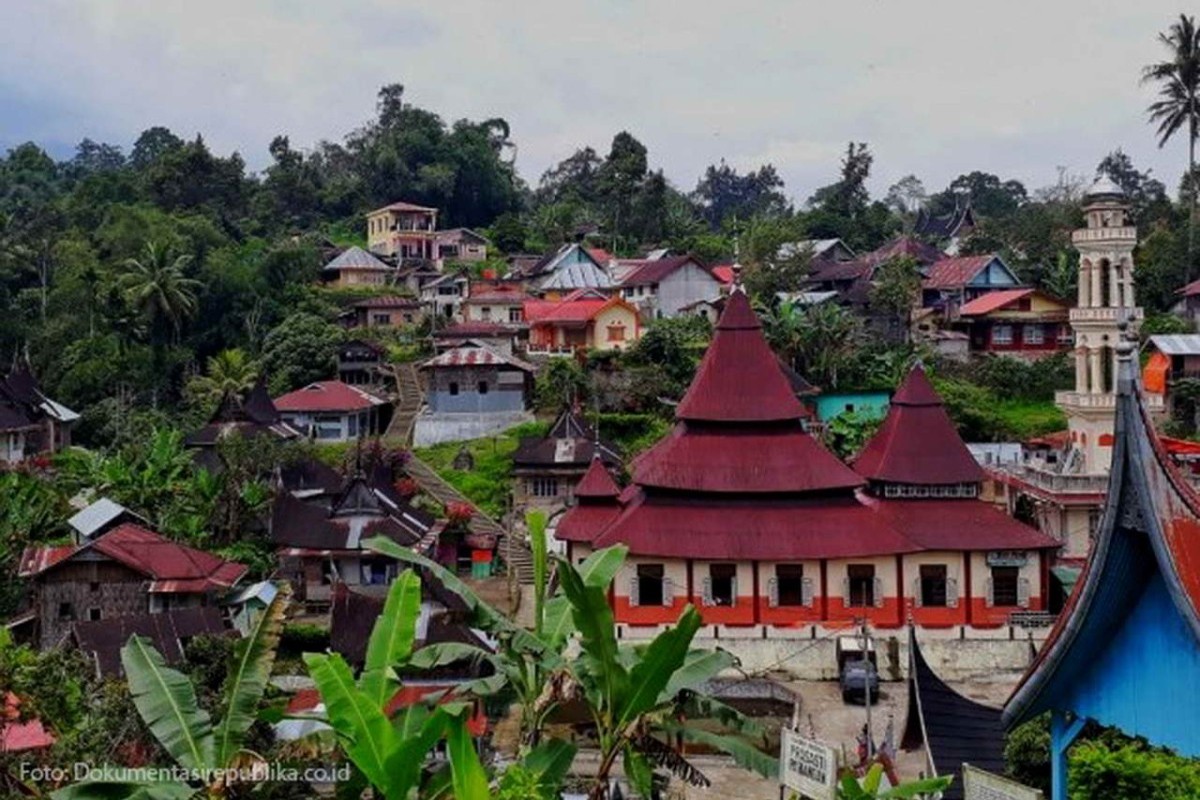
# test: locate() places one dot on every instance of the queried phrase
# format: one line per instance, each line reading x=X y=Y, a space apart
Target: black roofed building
x=251 y=415
x=169 y=632
x=949 y=229
x=548 y=468
x=359 y=362
x=30 y=422
x=319 y=540
x=952 y=730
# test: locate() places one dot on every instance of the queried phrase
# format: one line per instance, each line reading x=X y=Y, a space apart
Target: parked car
x=859 y=679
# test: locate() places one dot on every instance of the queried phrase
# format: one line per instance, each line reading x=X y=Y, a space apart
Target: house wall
x=388 y=317
x=107 y=586
x=686 y=285
x=331 y=426
x=624 y=610
x=955 y=610
x=493 y=312
x=983 y=611
x=505 y=390
x=12 y=447
x=360 y=277
x=615 y=315
x=412 y=229
x=873 y=404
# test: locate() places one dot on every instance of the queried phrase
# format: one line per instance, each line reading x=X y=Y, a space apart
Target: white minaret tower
x=1105 y=248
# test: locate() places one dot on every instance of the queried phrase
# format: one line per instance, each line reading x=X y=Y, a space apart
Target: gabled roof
x=170 y=566
x=1129 y=636
x=576 y=308
x=357 y=513
x=570 y=442
x=167 y=631
x=251 y=415
x=737 y=358
x=327 y=396
x=923 y=252
x=965 y=523
x=650 y=271
x=597 y=484
x=958 y=272
x=817 y=248
x=99 y=516
x=946 y=226
x=917 y=443
x=1178 y=344
x=987 y=303
x=953 y=730
x=571 y=267
x=463 y=233
x=474 y=354
x=479 y=329
x=23 y=403
x=356 y=258
x=388 y=301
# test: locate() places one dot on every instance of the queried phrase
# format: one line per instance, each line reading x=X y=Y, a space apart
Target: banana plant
x=528 y=663
x=390 y=751
x=166 y=701
x=869 y=789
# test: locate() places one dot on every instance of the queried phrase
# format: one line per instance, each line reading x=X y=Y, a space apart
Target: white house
x=663 y=287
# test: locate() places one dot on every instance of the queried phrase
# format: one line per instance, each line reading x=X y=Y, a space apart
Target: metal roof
x=1177 y=344
x=356 y=258
x=96 y=516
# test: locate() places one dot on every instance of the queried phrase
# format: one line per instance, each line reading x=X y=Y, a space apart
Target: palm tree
x=230 y=372
x=1179 y=102
x=158 y=287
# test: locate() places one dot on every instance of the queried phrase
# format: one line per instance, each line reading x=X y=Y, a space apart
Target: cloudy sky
x=937 y=87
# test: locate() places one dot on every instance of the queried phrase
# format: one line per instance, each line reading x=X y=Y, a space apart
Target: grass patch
x=1028 y=418
x=488 y=485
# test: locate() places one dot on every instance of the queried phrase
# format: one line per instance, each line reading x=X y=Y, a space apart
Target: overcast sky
x=937 y=88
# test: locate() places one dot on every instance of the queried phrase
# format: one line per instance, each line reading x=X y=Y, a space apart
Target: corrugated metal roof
x=356 y=258
x=474 y=355
x=1177 y=344
x=96 y=516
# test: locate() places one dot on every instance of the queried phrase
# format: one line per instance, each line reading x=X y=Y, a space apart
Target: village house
x=819 y=251
x=355 y=267
x=249 y=416
x=167 y=631
x=333 y=411
x=953 y=282
x=472 y=391
x=127 y=570
x=503 y=303
x=359 y=362
x=1188 y=304
x=547 y=468
x=1172 y=357
x=504 y=338
x=319 y=541
x=460 y=244
x=585 y=319
x=662 y=287
x=1023 y=323
x=386 y=311
x=562 y=272
x=445 y=295
x=743 y=513
x=30 y=422
x=403 y=231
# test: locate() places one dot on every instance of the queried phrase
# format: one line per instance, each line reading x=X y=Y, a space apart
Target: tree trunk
x=1192 y=179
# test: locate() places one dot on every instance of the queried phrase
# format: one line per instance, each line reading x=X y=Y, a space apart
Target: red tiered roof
x=597 y=483
x=739 y=379
x=917 y=443
x=599 y=504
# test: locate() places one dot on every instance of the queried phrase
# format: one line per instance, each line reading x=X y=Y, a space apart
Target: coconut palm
x=157 y=285
x=1178 y=104
x=230 y=372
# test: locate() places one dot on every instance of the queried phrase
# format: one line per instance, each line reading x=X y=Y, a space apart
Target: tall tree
x=158 y=286
x=723 y=193
x=1178 y=104
x=620 y=177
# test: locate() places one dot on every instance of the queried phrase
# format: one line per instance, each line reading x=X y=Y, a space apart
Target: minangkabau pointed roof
x=1148 y=543
x=739 y=379
x=597 y=483
x=917 y=443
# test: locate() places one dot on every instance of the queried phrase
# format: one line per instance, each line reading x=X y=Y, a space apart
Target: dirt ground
x=835 y=723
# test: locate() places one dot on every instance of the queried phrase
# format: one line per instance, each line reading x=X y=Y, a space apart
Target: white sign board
x=807 y=766
x=980 y=785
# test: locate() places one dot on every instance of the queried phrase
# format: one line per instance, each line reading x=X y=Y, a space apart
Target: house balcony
x=1098 y=235
x=1086 y=400
x=1058 y=482
x=551 y=350
x=1106 y=314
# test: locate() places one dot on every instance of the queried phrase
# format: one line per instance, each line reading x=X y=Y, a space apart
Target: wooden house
x=30 y=422
x=127 y=570
x=547 y=468
x=359 y=362
x=355 y=267
x=951 y=283
x=1023 y=323
x=386 y=311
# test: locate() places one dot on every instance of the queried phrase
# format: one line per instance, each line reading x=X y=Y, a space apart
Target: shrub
x=1131 y=772
x=302 y=637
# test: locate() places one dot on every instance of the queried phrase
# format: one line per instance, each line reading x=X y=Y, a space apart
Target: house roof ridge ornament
x=736 y=267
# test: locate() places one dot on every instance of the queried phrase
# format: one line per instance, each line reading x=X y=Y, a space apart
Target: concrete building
x=386 y=311
x=403 y=231
x=663 y=287
x=471 y=391
x=585 y=319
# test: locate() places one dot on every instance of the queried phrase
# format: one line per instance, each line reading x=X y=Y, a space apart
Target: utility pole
x=865 y=638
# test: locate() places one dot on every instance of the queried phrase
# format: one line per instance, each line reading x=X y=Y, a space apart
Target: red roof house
x=586 y=319
x=128 y=570
x=333 y=411
x=1019 y=322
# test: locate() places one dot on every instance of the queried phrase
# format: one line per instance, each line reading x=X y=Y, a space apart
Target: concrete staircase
x=514 y=551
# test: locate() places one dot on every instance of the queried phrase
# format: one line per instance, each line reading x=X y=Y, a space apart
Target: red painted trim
x=900 y=608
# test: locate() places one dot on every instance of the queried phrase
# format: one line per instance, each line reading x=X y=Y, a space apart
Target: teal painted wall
x=830 y=404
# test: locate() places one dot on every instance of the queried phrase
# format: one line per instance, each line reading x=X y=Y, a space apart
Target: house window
x=326 y=573
x=1066 y=337
x=860 y=580
x=94 y=586
x=722 y=585
x=514 y=315
x=1002 y=334
x=93 y=615
x=1033 y=334
x=1006 y=582
x=453 y=388
x=789 y=583
x=649 y=584
x=483 y=387
x=543 y=487
x=66 y=611
x=486 y=313
x=382 y=319
x=616 y=333
x=375 y=573
x=933 y=585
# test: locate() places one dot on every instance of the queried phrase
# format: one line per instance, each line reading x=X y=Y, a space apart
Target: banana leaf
x=664 y=656
x=392 y=638
x=125 y=791
x=467 y=774
x=609 y=681
x=744 y=754
x=251 y=670
x=166 y=701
